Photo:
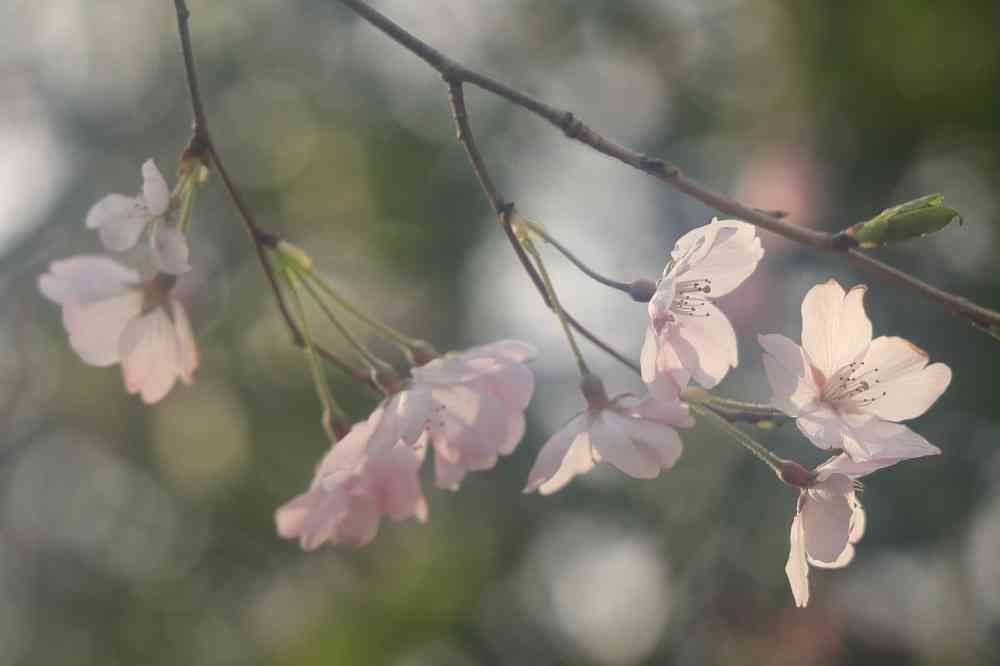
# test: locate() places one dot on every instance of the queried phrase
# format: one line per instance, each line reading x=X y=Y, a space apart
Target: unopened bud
x=912 y=219
x=295 y=254
x=796 y=475
x=642 y=290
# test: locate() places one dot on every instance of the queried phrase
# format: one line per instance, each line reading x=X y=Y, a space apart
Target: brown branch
x=505 y=211
x=202 y=146
x=455 y=73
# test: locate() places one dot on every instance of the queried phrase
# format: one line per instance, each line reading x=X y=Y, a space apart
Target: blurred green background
x=134 y=535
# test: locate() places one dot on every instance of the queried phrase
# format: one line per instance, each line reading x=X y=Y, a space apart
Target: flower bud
x=912 y=219
x=295 y=255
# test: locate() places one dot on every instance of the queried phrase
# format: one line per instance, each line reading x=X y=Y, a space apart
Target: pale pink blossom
x=112 y=316
x=469 y=405
x=120 y=221
x=829 y=519
x=846 y=390
x=688 y=337
x=351 y=491
x=636 y=436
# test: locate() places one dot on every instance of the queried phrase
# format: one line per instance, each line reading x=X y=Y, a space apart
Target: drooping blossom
x=120 y=221
x=688 y=336
x=468 y=405
x=829 y=518
x=636 y=436
x=846 y=390
x=351 y=491
x=113 y=316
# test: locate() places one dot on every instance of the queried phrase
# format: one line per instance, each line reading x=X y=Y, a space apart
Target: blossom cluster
x=114 y=314
x=846 y=391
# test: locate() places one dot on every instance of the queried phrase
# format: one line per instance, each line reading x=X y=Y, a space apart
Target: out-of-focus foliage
x=145 y=536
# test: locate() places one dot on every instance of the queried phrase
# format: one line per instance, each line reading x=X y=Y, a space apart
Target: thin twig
x=663 y=171
x=505 y=211
x=576 y=261
x=202 y=146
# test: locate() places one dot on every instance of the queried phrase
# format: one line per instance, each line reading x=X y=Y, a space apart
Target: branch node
x=653 y=165
x=842 y=242
x=571 y=126
x=452 y=73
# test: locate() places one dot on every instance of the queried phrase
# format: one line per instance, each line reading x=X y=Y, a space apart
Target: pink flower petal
x=154 y=189
x=119 y=220
x=835 y=328
x=187 y=350
x=170 y=250
x=724 y=252
x=823 y=427
x=907 y=386
x=638 y=447
x=94 y=328
x=797 y=569
x=148 y=352
x=563 y=456
x=826 y=522
x=706 y=345
x=789 y=375
x=86 y=279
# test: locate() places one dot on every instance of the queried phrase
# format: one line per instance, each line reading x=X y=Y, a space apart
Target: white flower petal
x=170 y=250
x=789 y=374
x=835 y=328
x=906 y=385
x=86 y=279
x=637 y=447
x=797 y=569
x=826 y=523
x=119 y=221
x=555 y=465
x=822 y=427
x=724 y=253
x=148 y=351
x=886 y=441
x=94 y=328
x=187 y=349
x=706 y=345
x=154 y=189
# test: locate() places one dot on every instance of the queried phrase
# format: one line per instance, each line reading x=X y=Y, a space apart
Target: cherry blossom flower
x=829 y=519
x=846 y=390
x=688 y=336
x=120 y=221
x=636 y=436
x=352 y=490
x=112 y=316
x=468 y=405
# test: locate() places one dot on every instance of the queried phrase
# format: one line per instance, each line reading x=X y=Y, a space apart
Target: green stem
x=374 y=363
x=556 y=306
x=330 y=407
x=750 y=411
x=404 y=342
x=745 y=440
x=576 y=261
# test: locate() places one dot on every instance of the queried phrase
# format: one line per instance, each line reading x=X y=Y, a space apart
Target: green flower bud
x=912 y=219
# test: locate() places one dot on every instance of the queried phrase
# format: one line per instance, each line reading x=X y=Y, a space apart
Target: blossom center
x=854 y=386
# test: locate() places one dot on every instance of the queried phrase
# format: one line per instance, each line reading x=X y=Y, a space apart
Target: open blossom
x=112 y=316
x=688 y=336
x=120 y=221
x=636 y=436
x=468 y=405
x=846 y=390
x=829 y=518
x=352 y=490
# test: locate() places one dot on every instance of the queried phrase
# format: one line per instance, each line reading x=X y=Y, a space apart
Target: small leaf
x=913 y=219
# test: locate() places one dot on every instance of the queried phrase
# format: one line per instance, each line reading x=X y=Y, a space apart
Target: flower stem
x=401 y=340
x=331 y=410
x=375 y=365
x=576 y=261
x=763 y=416
x=749 y=443
x=556 y=306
